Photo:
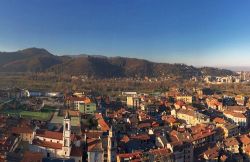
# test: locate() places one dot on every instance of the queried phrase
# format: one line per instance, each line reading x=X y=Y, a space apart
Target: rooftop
x=47 y=144
x=230 y=142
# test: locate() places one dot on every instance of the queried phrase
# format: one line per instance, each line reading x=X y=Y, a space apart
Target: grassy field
x=36 y=115
x=44 y=116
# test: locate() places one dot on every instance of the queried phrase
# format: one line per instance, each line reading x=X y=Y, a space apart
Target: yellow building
x=192 y=117
x=26 y=133
x=186 y=99
x=133 y=102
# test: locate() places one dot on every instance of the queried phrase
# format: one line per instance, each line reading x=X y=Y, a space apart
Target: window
x=67 y=126
x=66 y=142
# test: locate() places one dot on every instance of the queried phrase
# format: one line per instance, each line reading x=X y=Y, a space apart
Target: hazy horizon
x=198 y=33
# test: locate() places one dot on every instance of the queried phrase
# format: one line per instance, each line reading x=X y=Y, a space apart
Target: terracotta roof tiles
x=32 y=156
x=49 y=134
x=47 y=144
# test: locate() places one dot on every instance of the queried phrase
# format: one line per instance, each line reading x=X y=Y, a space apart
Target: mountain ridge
x=40 y=60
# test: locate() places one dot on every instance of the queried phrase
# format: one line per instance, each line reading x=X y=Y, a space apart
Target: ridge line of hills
x=40 y=60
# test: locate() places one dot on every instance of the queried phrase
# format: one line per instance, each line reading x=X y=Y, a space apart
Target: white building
x=57 y=144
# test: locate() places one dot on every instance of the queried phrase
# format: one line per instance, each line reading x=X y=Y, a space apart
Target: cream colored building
x=186 y=99
x=133 y=102
x=236 y=117
x=192 y=117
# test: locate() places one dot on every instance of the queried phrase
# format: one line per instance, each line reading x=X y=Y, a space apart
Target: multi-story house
x=202 y=135
x=238 y=118
x=245 y=145
x=231 y=145
x=192 y=117
x=214 y=103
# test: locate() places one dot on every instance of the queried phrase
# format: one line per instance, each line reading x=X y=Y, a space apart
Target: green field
x=28 y=114
x=36 y=115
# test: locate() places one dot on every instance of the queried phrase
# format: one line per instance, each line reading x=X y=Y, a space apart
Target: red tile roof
x=180 y=103
x=130 y=155
x=94 y=144
x=244 y=139
x=230 y=142
x=20 y=130
x=47 y=144
x=49 y=134
x=72 y=99
x=247 y=150
x=32 y=156
x=163 y=151
x=169 y=119
x=144 y=125
x=93 y=133
x=140 y=137
x=76 y=151
x=201 y=131
x=223 y=158
x=241 y=109
x=202 y=135
x=155 y=124
x=212 y=153
x=234 y=114
x=125 y=139
x=219 y=120
x=101 y=122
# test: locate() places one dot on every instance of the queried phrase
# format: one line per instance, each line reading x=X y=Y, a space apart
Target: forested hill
x=40 y=60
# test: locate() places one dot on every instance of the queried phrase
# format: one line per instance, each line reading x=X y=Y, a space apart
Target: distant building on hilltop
x=133 y=102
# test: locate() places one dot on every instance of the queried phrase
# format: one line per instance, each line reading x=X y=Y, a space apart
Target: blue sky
x=197 y=32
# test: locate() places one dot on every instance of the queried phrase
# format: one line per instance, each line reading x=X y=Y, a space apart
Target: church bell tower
x=66 y=135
